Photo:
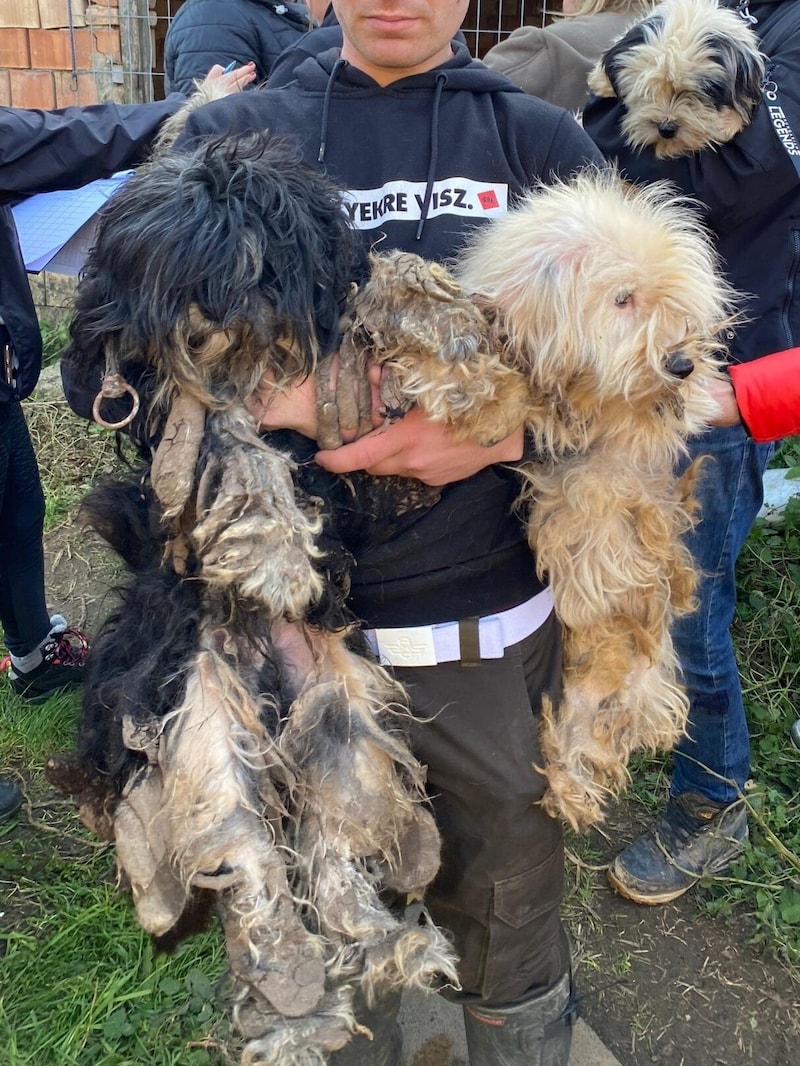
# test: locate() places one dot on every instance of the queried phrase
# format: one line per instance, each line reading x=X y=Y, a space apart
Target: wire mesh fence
x=124 y=56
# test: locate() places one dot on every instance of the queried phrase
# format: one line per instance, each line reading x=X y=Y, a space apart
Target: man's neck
x=388 y=75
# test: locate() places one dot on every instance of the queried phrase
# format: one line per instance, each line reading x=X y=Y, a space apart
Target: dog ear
x=750 y=72
x=599 y=82
x=741 y=73
x=612 y=61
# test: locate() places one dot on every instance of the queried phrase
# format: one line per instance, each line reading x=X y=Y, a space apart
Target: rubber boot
x=385 y=1047
x=535 y=1033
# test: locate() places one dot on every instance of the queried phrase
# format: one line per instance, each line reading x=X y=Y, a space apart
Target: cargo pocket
x=526 y=944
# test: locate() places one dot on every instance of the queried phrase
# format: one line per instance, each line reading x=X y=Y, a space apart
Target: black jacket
x=45 y=150
x=205 y=32
x=749 y=188
x=425 y=160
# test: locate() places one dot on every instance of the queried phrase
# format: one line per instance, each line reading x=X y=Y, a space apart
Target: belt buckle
x=409 y=646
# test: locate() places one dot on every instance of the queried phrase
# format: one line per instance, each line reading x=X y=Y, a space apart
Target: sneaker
x=693 y=838
x=10 y=798
x=63 y=661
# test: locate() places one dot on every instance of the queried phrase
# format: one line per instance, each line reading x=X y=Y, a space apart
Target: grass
x=80 y=984
x=765 y=882
x=55 y=335
x=77 y=453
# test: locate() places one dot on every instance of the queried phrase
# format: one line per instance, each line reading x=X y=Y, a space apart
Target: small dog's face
x=689 y=74
x=610 y=290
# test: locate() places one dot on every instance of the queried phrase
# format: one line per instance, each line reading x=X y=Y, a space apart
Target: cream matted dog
x=690 y=76
x=606 y=305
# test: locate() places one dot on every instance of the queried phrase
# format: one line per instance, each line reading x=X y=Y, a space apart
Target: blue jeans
x=730 y=492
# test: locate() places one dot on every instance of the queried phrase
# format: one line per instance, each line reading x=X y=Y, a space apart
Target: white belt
x=441 y=643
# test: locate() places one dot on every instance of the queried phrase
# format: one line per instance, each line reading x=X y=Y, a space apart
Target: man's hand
x=292 y=406
x=416 y=447
x=295 y=406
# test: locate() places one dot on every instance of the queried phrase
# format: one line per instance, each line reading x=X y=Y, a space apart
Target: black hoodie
x=425 y=160
x=749 y=188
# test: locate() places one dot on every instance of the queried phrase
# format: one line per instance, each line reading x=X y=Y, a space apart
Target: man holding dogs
x=748 y=184
x=429 y=143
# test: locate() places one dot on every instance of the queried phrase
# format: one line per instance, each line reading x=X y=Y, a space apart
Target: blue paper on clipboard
x=56 y=229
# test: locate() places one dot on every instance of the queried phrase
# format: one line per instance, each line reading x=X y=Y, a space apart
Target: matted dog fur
x=238 y=741
x=690 y=76
x=253 y=753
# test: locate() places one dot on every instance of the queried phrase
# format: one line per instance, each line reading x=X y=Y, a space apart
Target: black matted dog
x=237 y=742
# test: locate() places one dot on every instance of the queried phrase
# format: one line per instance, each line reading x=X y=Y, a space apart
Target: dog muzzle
x=678 y=365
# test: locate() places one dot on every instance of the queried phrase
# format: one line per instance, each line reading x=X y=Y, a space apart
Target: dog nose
x=667 y=130
x=678 y=365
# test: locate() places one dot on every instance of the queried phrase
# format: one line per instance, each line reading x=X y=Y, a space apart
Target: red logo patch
x=488 y=199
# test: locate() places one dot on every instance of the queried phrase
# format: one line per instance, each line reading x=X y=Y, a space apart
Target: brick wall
x=56 y=53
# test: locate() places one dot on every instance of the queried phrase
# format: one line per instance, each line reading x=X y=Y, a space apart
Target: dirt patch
x=80 y=575
x=690 y=989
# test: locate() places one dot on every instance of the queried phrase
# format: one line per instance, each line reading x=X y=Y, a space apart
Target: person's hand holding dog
x=416 y=447
x=721 y=392
x=412 y=446
x=232 y=80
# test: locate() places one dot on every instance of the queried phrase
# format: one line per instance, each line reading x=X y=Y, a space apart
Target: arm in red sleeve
x=768 y=394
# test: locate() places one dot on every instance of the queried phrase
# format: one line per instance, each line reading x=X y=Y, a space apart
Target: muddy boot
x=693 y=838
x=385 y=1047
x=536 y=1033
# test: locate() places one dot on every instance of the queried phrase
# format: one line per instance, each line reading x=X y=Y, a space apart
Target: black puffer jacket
x=205 y=32
x=749 y=188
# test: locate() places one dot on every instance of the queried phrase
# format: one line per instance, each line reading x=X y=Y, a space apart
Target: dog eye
x=718 y=94
x=623 y=298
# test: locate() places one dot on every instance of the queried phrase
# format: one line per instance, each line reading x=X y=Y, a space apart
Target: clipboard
x=56 y=229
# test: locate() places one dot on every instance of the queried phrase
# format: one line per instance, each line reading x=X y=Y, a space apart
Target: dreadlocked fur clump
x=606 y=302
x=690 y=75
x=234 y=741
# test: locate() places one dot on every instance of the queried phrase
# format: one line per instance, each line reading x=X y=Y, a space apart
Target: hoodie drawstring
x=326 y=108
x=441 y=81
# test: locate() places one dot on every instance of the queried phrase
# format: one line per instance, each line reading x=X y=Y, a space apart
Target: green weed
x=80 y=982
x=55 y=335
